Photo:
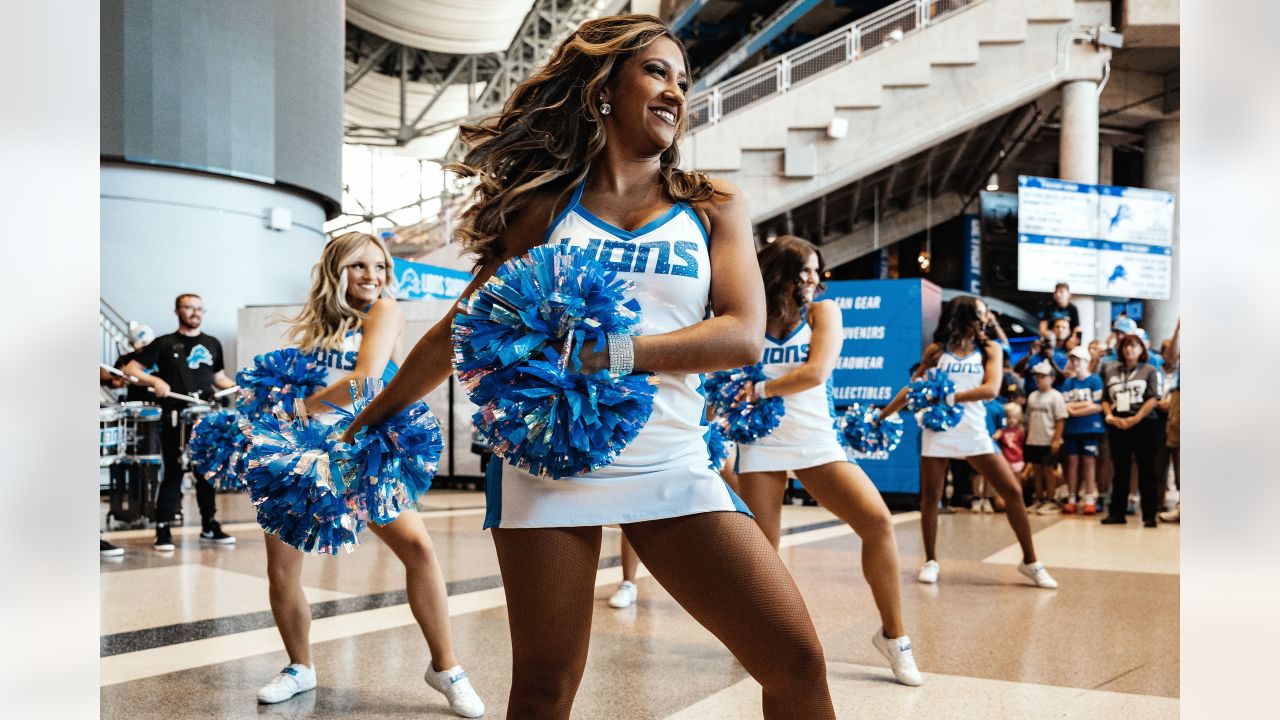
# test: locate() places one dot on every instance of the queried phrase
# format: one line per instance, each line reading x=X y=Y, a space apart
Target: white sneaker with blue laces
x=294 y=679
x=456 y=688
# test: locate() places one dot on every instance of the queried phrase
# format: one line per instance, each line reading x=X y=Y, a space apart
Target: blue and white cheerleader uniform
x=806 y=436
x=970 y=436
x=664 y=472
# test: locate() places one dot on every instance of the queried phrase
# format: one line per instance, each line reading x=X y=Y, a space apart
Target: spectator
x=1063 y=338
x=1129 y=397
x=1042 y=350
x=1010 y=440
x=1060 y=307
x=1097 y=351
x=1084 y=430
x=1046 y=416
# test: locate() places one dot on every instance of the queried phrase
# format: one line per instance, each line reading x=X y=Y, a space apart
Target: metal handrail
x=115 y=332
x=837 y=48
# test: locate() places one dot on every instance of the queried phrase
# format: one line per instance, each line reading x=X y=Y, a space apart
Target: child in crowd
x=1046 y=417
x=1082 y=391
x=1010 y=439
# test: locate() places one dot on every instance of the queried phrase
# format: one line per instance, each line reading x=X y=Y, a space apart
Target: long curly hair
x=550 y=130
x=781 y=262
x=327 y=317
x=960 y=321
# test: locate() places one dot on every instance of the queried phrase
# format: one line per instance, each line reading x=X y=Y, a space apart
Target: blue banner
x=419 y=281
x=972 y=280
x=882 y=335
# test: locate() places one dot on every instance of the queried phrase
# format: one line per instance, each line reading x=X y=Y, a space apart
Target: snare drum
x=142 y=431
x=190 y=416
x=110 y=431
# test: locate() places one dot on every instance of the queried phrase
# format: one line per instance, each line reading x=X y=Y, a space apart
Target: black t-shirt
x=1051 y=312
x=135 y=392
x=1139 y=384
x=188 y=364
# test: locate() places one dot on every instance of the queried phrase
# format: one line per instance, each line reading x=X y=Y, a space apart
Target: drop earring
x=605 y=108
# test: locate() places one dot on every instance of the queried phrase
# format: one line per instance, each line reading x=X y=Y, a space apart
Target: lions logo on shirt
x=198 y=356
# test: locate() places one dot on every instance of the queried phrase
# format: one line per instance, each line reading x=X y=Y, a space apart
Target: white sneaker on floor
x=898 y=652
x=976 y=505
x=987 y=507
x=929 y=572
x=456 y=688
x=294 y=679
x=624 y=596
x=1034 y=508
x=1038 y=574
x=1048 y=508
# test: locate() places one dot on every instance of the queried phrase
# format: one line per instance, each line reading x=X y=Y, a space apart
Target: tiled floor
x=189 y=634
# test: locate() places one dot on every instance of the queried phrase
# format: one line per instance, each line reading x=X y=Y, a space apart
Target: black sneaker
x=164 y=540
x=106 y=549
x=1113 y=520
x=213 y=533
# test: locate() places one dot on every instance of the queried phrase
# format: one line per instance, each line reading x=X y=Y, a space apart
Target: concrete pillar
x=1078 y=154
x=1160 y=172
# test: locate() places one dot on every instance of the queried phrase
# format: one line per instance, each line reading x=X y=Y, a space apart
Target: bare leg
x=1001 y=477
x=728 y=475
x=933 y=472
x=288 y=604
x=845 y=490
x=630 y=561
x=424 y=583
x=1073 y=475
x=549 y=575
x=1090 y=471
x=762 y=492
x=720 y=567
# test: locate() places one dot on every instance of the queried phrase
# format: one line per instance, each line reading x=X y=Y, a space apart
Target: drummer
x=140 y=336
x=187 y=362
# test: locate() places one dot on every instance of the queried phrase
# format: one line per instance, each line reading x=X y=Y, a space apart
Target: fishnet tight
x=718 y=566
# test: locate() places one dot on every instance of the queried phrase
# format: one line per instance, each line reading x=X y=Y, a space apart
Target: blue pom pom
x=390 y=465
x=298 y=496
x=928 y=395
x=717 y=444
x=217 y=448
x=516 y=344
x=744 y=422
x=277 y=378
x=859 y=431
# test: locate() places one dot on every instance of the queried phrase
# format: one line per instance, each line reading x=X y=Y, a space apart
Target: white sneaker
x=456 y=688
x=898 y=652
x=1038 y=574
x=1048 y=508
x=624 y=596
x=294 y=679
x=987 y=507
x=1034 y=509
x=976 y=505
x=929 y=572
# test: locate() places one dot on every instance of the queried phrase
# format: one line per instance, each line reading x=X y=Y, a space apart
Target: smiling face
x=647 y=97
x=190 y=312
x=808 y=280
x=366 y=276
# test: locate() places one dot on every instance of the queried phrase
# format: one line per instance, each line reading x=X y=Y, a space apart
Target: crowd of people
x=1077 y=421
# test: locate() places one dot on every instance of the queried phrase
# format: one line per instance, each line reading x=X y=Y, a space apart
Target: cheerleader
x=585 y=153
x=353 y=330
x=802 y=342
x=974 y=364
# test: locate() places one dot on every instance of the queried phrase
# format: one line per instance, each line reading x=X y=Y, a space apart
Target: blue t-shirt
x=1087 y=390
x=995 y=415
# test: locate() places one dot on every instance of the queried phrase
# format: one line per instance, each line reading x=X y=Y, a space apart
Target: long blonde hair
x=327 y=317
x=550 y=129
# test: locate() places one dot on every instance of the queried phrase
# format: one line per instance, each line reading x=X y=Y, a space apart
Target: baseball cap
x=1043 y=368
x=1142 y=334
x=1125 y=325
x=1081 y=352
x=141 y=333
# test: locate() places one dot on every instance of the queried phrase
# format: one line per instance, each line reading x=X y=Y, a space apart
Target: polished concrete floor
x=189 y=634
